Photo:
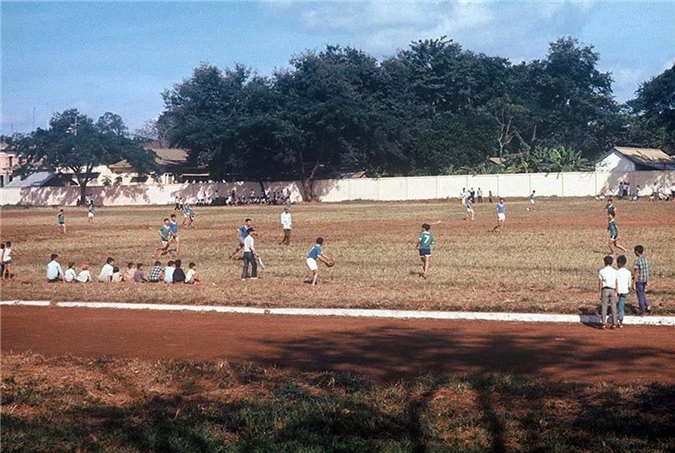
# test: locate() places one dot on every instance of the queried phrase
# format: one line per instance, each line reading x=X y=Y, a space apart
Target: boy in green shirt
x=164 y=237
x=424 y=241
x=613 y=233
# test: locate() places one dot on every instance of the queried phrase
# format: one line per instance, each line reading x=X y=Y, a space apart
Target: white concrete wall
x=382 y=189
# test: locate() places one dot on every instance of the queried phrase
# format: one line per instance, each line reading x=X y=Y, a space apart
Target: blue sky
x=120 y=56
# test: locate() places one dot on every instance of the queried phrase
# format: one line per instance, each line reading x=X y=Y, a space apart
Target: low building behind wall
x=377 y=189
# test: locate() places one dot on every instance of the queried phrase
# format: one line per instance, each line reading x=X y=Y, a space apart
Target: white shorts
x=501 y=216
x=312 y=264
x=531 y=200
x=90 y=215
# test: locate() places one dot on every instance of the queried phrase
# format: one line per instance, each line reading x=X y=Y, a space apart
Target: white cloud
x=510 y=29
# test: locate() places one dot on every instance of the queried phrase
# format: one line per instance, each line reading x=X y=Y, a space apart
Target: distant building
x=9 y=161
x=174 y=168
x=627 y=159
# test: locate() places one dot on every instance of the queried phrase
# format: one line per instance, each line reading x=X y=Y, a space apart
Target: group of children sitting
x=134 y=273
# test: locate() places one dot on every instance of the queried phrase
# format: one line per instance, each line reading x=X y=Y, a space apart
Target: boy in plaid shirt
x=155 y=273
x=640 y=278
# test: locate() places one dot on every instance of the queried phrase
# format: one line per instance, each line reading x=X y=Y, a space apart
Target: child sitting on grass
x=138 y=275
x=155 y=273
x=129 y=273
x=168 y=272
x=192 y=277
x=117 y=276
x=70 y=275
x=84 y=276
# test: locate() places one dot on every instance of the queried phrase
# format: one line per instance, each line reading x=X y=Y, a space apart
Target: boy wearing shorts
x=469 y=209
x=613 y=229
x=173 y=226
x=61 y=219
x=501 y=216
x=164 y=236
x=242 y=231
x=315 y=255
x=90 y=213
x=424 y=241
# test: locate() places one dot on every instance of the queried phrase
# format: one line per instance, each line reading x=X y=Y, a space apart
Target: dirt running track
x=382 y=349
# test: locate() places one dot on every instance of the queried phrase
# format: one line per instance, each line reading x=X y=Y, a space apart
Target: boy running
x=173 y=227
x=613 y=229
x=243 y=232
x=424 y=241
x=164 y=237
x=316 y=254
x=90 y=213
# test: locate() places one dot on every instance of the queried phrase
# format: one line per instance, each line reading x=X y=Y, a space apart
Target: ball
x=330 y=263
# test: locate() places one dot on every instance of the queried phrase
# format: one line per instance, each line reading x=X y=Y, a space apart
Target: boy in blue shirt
x=243 y=232
x=316 y=254
x=173 y=227
x=424 y=241
x=501 y=216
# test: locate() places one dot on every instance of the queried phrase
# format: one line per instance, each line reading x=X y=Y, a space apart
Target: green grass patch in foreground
x=71 y=404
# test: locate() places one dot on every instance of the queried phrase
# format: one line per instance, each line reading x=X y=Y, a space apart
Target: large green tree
x=75 y=142
x=654 y=111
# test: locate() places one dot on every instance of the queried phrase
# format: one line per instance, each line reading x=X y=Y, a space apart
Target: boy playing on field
x=61 y=219
x=610 y=207
x=7 y=254
x=250 y=256
x=623 y=284
x=607 y=288
x=164 y=237
x=613 y=229
x=173 y=227
x=424 y=242
x=469 y=209
x=640 y=278
x=531 y=208
x=90 y=213
x=316 y=254
x=243 y=232
x=501 y=216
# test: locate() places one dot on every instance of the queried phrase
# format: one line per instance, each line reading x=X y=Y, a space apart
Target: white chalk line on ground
x=357 y=313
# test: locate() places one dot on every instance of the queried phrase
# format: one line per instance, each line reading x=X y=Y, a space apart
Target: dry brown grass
x=545 y=261
x=75 y=404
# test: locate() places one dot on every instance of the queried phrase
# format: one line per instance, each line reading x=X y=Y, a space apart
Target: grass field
x=129 y=405
x=544 y=261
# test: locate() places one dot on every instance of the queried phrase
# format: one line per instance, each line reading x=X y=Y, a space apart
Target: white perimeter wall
x=380 y=189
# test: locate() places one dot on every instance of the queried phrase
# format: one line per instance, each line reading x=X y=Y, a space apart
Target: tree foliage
x=74 y=141
x=431 y=108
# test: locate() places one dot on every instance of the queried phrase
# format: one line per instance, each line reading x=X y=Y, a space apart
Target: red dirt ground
x=382 y=349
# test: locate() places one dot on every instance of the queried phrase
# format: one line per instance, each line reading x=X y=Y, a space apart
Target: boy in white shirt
x=84 y=276
x=623 y=283
x=607 y=288
x=107 y=271
x=191 y=276
x=168 y=272
x=70 y=275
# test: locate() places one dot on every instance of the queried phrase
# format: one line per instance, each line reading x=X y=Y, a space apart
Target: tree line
x=433 y=108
